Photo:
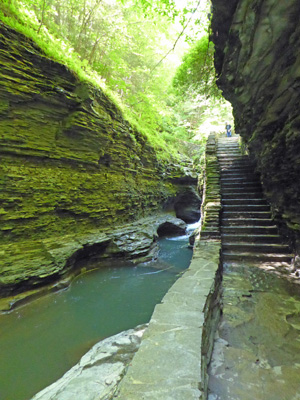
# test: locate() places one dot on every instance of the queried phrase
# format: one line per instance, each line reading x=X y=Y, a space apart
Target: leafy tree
x=197 y=70
x=131 y=45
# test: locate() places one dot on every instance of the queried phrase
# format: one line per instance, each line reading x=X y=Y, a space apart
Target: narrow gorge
x=192 y=261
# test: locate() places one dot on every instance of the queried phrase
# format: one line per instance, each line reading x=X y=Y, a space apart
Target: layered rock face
x=71 y=165
x=258 y=63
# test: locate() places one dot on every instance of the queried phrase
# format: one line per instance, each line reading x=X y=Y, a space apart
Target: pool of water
x=257 y=347
x=40 y=341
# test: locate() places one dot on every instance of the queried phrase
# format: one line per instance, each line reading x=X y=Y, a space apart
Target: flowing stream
x=40 y=341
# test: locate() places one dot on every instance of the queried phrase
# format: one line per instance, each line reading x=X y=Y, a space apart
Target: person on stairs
x=228 y=129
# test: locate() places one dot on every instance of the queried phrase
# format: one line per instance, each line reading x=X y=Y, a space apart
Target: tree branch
x=179 y=36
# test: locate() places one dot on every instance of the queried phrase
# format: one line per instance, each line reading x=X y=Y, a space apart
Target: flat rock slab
x=99 y=371
x=168 y=363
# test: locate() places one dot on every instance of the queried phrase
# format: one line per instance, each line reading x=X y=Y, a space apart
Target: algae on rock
x=70 y=165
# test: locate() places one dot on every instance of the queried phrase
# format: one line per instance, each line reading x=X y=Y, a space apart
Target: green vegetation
x=200 y=101
x=132 y=50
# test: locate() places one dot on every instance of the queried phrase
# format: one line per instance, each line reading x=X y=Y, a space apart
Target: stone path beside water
x=257 y=347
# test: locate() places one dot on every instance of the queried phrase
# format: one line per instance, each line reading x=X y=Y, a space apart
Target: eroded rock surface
x=256 y=352
x=187 y=205
x=99 y=371
x=258 y=63
x=71 y=167
x=71 y=255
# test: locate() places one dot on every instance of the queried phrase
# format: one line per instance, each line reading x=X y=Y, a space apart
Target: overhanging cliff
x=71 y=166
x=258 y=65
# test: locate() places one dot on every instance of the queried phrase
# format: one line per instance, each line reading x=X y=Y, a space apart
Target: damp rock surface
x=71 y=167
x=99 y=371
x=257 y=62
x=257 y=349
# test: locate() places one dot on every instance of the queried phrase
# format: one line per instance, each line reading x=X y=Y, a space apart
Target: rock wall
x=71 y=166
x=258 y=65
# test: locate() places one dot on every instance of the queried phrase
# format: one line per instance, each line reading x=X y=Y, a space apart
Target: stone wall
x=71 y=166
x=258 y=66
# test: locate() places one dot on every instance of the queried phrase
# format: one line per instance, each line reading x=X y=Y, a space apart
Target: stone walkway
x=257 y=349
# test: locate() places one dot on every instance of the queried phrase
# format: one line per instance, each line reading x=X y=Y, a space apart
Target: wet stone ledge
x=99 y=370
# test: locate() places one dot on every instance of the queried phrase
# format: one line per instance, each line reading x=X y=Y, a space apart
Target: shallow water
x=257 y=348
x=40 y=341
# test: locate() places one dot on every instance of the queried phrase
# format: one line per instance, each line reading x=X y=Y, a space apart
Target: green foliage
x=196 y=95
x=119 y=46
x=197 y=70
x=166 y=8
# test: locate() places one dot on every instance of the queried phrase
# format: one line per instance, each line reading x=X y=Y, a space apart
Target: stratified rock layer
x=258 y=63
x=70 y=165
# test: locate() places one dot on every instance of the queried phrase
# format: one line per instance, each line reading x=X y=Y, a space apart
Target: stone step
x=229 y=143
x=256 y=257
x=237 y=179
x=236 y=164
x=231 y=156
x=245 y=247
x=231 y=168
x=240 y=202
x=232 y=159
x=251 y=229
x=225 y=147
x=246 y=214
x=246 y=207
x=242 y=196
x=245 y=184
x=222 y=155
x=251 y=238
x=244 y=189
x=210 y=233
x=254 y=222
x=229 y=152
x=239 y=174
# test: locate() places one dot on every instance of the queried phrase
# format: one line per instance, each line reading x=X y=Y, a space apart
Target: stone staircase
x=247 y=229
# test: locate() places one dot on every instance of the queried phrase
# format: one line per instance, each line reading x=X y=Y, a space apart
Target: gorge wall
x=71 y=166
x=258 y=66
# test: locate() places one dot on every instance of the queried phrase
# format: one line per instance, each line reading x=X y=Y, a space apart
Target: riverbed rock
x=72 y=169
x=257 y=62
x=169 y=228
x=70 y=255
x=187 y=205
x=99 y=371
